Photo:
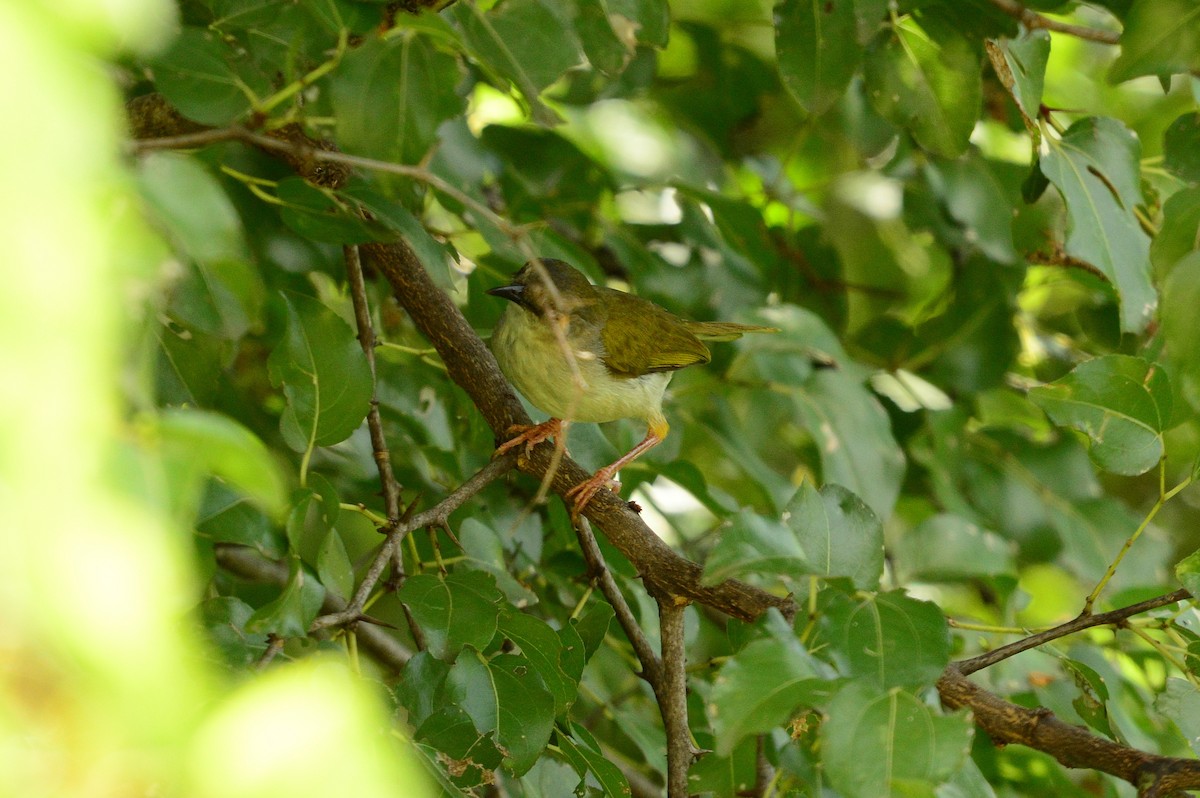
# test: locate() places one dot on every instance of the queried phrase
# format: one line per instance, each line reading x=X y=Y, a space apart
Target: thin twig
x=672 y=697
x=249 y=564
x=603 y=579
x=1085 y=620
x=436 y=515
x=274 y=646
x=1033 y=20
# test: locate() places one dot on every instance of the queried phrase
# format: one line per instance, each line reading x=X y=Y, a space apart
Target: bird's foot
x=530 y=435
x=582 y=493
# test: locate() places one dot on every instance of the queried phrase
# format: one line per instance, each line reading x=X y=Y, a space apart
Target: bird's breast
x=532 y=358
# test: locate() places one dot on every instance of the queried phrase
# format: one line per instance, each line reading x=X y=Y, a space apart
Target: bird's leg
x=530 y=435
x=584 y=491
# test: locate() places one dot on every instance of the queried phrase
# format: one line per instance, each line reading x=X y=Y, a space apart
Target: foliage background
x=990 y=229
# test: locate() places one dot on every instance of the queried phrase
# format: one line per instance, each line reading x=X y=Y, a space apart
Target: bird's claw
x=530 y=435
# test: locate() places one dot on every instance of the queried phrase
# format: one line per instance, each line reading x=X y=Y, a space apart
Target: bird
x=624 y=350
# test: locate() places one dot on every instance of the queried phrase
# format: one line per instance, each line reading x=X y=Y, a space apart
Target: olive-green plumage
x=623 y=348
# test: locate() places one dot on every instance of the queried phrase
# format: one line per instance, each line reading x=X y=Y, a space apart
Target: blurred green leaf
x=323 y=373
x=390 y=95
x=216 y=444
x=889 y=639
x=1121 y=403
x=1026 y=57
x=924 y=77
x=1180 y=702
x=196 y=75
x=946 y=547
x=753 y=544
x=1181 y=143
x=504 y=696
x=524 y=41
x=586 y=756
x=817 y=50
x=607 y=49
x=890 y=743
x=1181 y=325
x=224 y=619
x=456 y=610
x=1179 y=234
x=334 y=567
x=1160 y=37
x=838 y=533
x=1095 y=167
x=854 y=437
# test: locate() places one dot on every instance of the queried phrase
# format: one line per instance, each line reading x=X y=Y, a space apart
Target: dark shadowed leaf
x=456 y=610
x=297 y=607
x=817 y=50
x=1160 y=37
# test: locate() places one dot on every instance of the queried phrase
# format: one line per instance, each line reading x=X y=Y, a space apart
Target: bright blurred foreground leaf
x=1121 y=403
x=323 y=373
x=1095 y=167
x=890 y=743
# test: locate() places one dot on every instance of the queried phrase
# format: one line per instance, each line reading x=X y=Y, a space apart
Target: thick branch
x=672 y=698
x=1073 y=746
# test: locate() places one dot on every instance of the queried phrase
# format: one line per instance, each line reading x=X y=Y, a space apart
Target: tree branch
x=651 y=664
x=434 y=516
x=1085 y=620
x=249 y=564
x=1033 y=20
x=672 y=697
x=1072 y=746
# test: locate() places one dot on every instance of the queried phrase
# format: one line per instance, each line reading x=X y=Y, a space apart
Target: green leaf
x=890 y=639
x=925 y=78
x=1095 y=166
x=390 y=95
x=1161 y=37
x=334 y=567
x=456 y=610
x=1121 y=403
x=224 y=619
x=505 y=697
x=468 y=754
x=1181 y=147
x=226 y=516
x=970 y=194
x=432 y=254
x=761 y=686
x=196 y=76
x=1187 y=571
x=607 y=50
x=1180 y=702
x=215 y=444
x=323 y=373
x=1026 y=58
x=890 y=743
x=296 y=608
x=524 y=41
x=854 y=437
x=839 y=534
x=753 y=544
x=586 y=756
x=542 y=647
x=420 y=689
x=947 y=548
x=192 y=205
x=314 y=214
x=1179 y=234
x=593 y=626
x=817 y=50
x=1181 y=325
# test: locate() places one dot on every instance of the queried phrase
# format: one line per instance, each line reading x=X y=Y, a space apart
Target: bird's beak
x=513 y=293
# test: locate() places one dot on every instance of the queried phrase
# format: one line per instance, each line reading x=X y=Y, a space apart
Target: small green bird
x=625 y=350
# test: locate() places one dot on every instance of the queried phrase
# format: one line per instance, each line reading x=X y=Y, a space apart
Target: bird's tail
x=724 y=330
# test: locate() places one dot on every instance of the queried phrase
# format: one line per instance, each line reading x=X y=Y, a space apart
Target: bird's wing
x=724 y=330
x=644 y=338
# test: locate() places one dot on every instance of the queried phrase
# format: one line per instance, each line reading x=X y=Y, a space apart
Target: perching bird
x=626 y=350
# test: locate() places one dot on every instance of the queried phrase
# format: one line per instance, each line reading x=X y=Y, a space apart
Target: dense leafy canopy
x=976 y=226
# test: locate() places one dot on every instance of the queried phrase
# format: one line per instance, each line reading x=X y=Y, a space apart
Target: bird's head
x=547 y=284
